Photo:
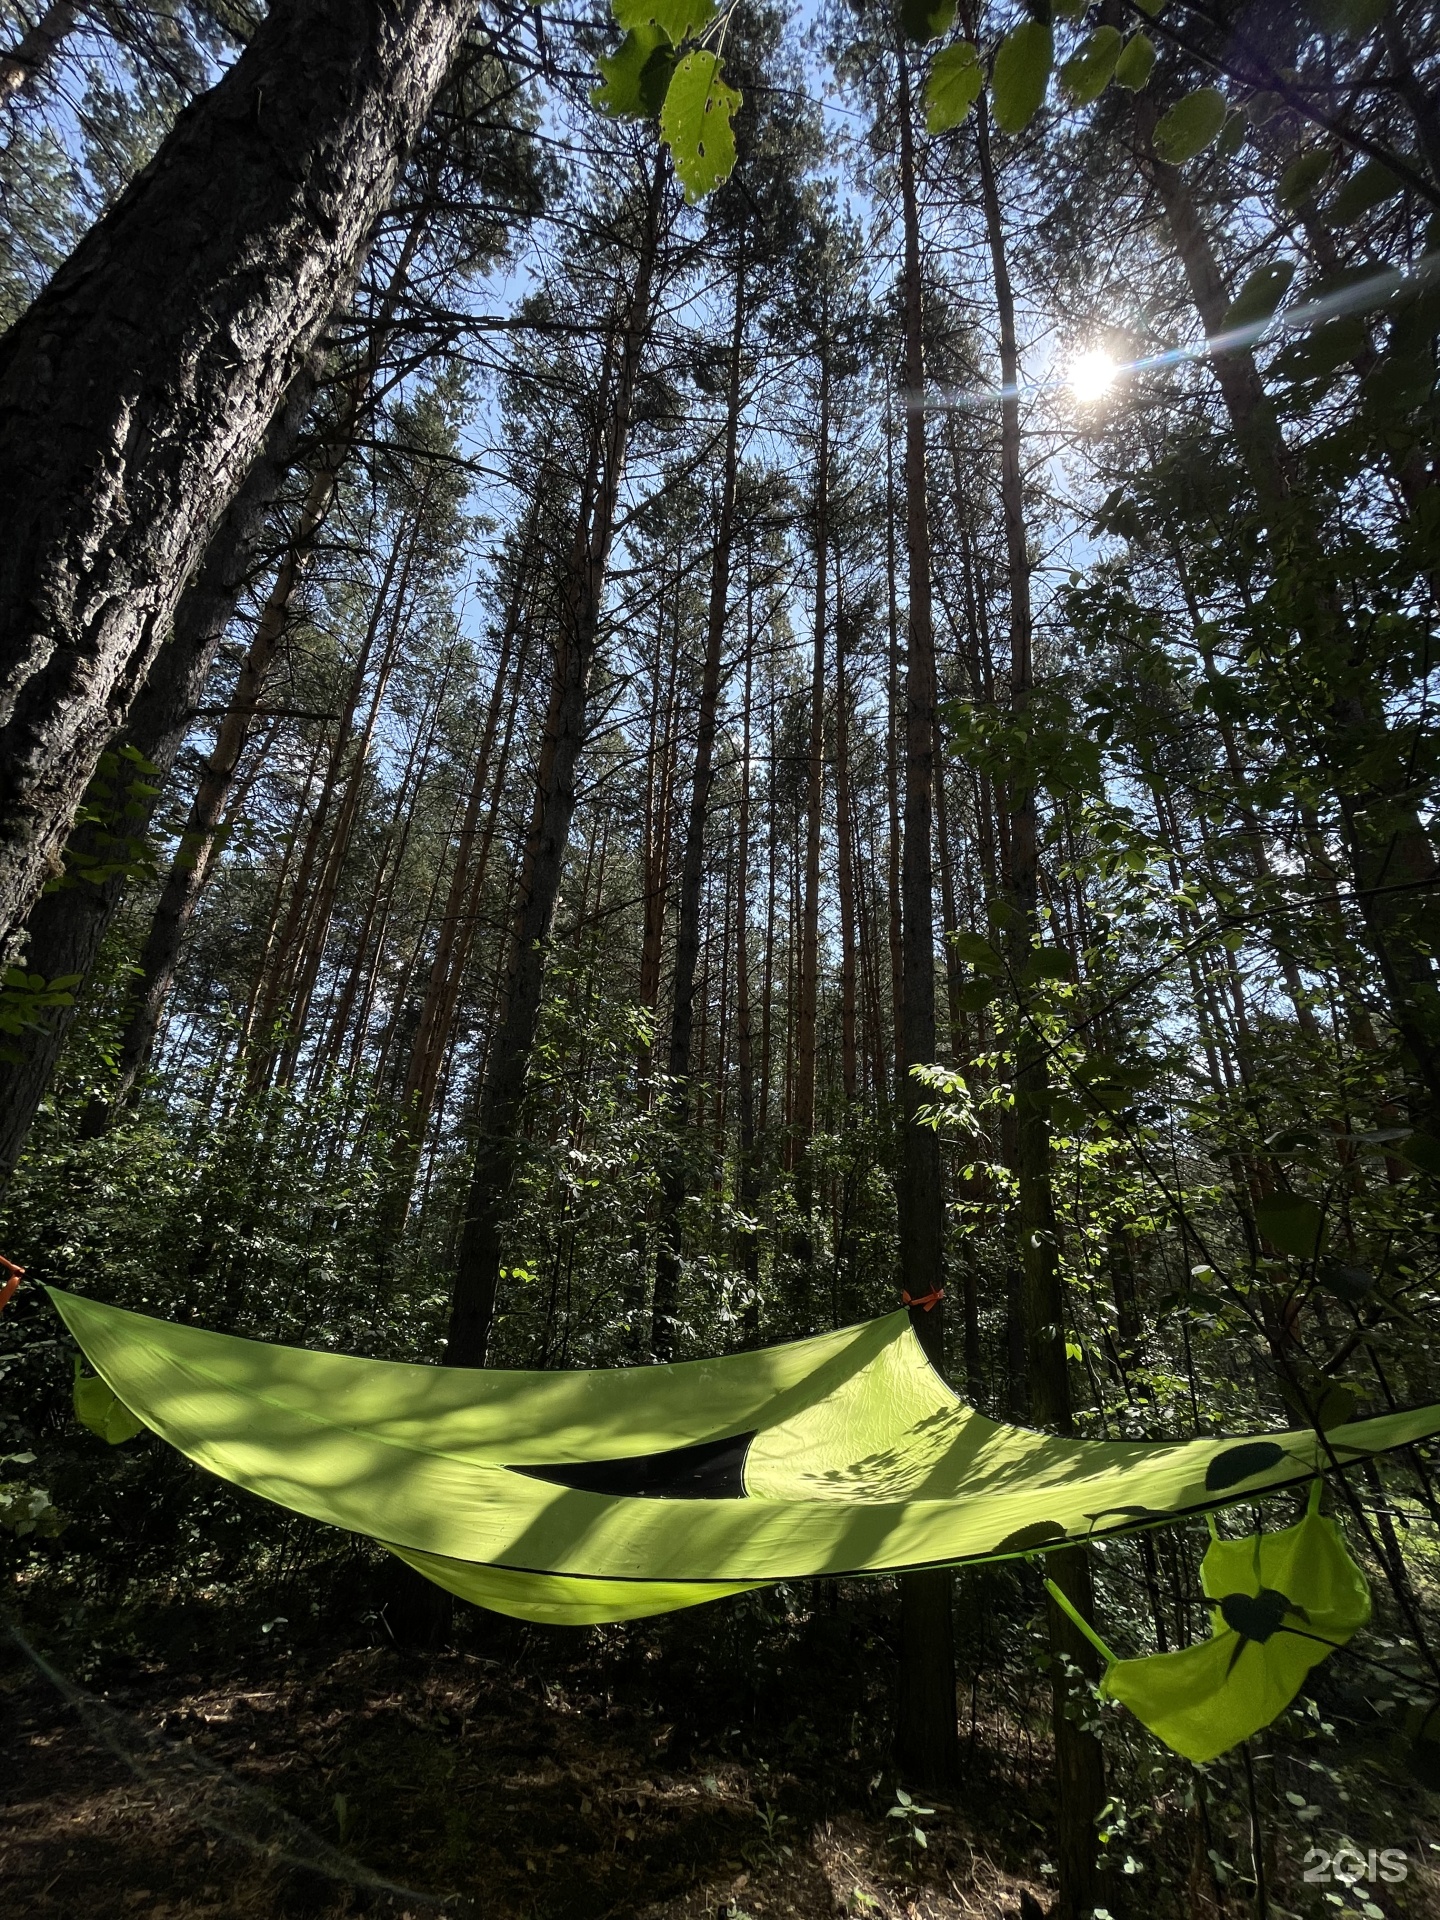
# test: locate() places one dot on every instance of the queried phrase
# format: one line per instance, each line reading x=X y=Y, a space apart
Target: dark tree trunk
x=136 y=392
x=477 y=1275
x=1079 y=1761
x=927 y=1744
x=692 y=865
x=66 y=927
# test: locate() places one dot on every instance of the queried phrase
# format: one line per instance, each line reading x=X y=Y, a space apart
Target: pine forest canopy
x=672 y=675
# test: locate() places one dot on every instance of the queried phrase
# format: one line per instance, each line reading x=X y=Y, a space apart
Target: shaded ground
x=550 y=1778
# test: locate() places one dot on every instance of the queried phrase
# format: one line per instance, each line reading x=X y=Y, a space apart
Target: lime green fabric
x=862 y=1461
x=1284 y=1602
x=97 y=1408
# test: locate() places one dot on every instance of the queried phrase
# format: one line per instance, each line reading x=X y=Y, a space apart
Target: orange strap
x=7 y=1292
x=925 y=1301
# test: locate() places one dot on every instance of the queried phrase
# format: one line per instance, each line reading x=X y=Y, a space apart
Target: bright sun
x=1092 y=375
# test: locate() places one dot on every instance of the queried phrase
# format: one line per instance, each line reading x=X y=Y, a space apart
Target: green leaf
x=636 y=76
x=1232 y=136
x=1421 y=1150
x=1352 y=19
x=976 y=994
x=1369 y=186
x=1191 y=125
x=976 y=951
x=1302 y=176
x=1291 y=1223
x=1021 y=75
x=955 y=80
x=922 y=20
x=1050 y=963
x=695 y=120
x=1323 y=351
x=1260 y=296
x=1347 y=1283
x=1136 y=62
x=1088 y=71
x=677 y=19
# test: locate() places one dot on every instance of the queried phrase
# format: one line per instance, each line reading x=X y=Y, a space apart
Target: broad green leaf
x=1302 y=176
x=1347 y=1283
x=1087 y=73
x=1260 y=296
x=677 y=19
x=1154 y=8
x=1069 y=9
x=1352 y=19
x=976 y=994
x=976 y=951
x=1050 y=963
x=1022 y=73
x=1421 y=1150
x=1324 y=351
x=635 y=77
x=922 y=20
x=695 y=121
x=1369 y=186
x=1191 y=125
x=955 y=80
x=1137 y=59
x=1232 y=136
x=1291 y=1223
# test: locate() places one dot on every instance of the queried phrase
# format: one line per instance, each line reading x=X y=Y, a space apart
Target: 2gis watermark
x=1347 y=1866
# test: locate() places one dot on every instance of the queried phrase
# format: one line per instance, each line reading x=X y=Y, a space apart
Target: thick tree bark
x=692 y=862
x=1079 y=1761
x=136 y=391
x=66 y=927
x=477 y=1275
x=927 y=1743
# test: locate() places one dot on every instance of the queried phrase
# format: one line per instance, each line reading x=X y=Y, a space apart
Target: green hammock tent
x=590 y=1496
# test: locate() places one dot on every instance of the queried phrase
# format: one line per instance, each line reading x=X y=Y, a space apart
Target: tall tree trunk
x=457 y=922
x=66 y=926
x=477 y=1273
x=1079 y=1761
x=808 y=982
x=749 y=1182
x=894 y=754
x=692 y=864
x=136 y=391
x=927 y=1744
x=845 y=839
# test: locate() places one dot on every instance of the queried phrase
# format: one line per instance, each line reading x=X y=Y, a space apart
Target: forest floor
x=545 y=1777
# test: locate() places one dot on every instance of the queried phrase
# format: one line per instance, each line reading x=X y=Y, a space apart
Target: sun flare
x=1092 y=374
